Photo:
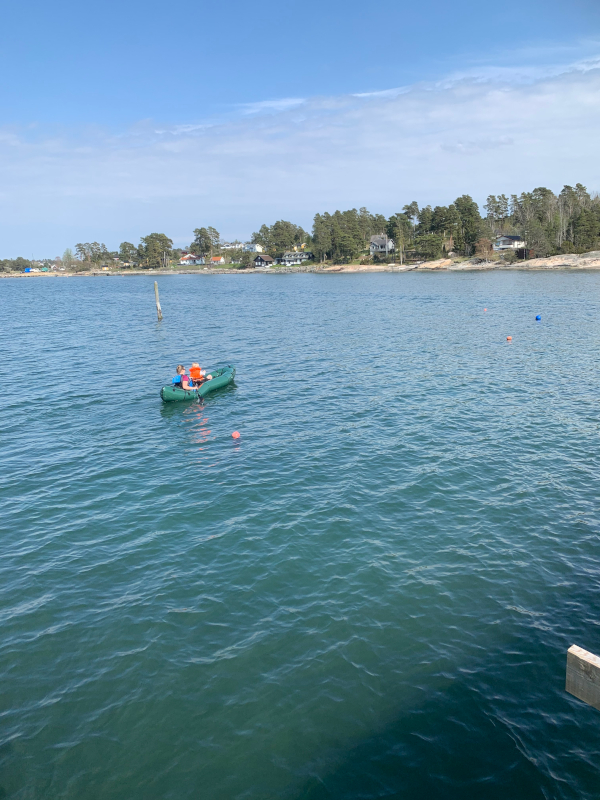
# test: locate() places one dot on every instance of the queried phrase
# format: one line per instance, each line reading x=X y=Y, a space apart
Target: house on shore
x=290 y=257
x=189 y=259
x=263 y=261
x=253 y=248
x=216 y=260
x=508 y=243
x=381 y=245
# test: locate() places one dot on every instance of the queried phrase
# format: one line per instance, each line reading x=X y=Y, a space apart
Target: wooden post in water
x=158 y=310
x=583 y=675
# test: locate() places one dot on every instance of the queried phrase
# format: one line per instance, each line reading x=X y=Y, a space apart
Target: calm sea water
x=370 y=595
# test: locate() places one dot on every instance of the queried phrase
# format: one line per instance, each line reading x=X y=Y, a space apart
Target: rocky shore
x=570 y=261
x=585 y=261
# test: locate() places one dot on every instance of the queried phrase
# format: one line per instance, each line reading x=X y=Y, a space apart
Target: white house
x=216 y=260
x=508 y=243
x=253 y=248
x=290 y=258
x=381 y=245
x=190 y=258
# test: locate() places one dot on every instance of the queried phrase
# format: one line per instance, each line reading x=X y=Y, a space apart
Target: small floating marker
x=485 y=309
x=509 y=338
x=236 y=434
x=539 y=316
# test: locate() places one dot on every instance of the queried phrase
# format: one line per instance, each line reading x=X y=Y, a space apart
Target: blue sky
x=119 y=119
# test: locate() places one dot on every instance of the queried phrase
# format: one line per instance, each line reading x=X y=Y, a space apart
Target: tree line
x=548 y=223
x=568 y=222
x=154 y=250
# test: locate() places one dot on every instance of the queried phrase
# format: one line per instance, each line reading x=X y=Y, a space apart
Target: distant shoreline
x=573 y=262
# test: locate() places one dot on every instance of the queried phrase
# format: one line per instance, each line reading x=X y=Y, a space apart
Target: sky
x=125 y=118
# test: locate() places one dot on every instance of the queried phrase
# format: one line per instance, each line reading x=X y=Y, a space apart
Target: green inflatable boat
x=221 y=376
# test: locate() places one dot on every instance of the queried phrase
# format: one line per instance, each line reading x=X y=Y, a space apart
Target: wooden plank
x=583 y=675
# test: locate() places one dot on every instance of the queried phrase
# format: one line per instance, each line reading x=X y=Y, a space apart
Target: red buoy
x=236 y=434
x=509 y=338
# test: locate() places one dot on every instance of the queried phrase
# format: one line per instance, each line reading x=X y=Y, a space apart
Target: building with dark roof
x=381 y=245
x=291 y=257
x=506 y=242
x=263 y=261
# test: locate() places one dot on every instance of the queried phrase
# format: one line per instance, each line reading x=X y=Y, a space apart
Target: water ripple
x=369 y=595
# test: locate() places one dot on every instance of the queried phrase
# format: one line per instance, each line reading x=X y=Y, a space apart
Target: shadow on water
x=483 y=732
x=415 y=758
x=6 y=752
x=409 y=759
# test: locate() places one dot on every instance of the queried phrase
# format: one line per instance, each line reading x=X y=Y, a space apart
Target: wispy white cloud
x=477 y=145
x=518 y=73
x=429 y=142
x=271 y=106
x=178 y=130
x=385 y=92
x=528 y=64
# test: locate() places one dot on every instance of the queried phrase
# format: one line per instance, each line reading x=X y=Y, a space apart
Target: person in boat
x=198 y=375
x=182 y=380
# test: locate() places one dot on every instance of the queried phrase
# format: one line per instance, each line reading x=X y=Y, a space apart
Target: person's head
x=180 y=369
x=196 y=364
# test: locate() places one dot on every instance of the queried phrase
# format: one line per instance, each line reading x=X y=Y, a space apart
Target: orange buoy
x=236 y=434
x=509 y=338
x=485 y=309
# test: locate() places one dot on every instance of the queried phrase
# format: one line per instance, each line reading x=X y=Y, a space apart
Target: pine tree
x=586 y=230
x=470 y=223
x=154 y=249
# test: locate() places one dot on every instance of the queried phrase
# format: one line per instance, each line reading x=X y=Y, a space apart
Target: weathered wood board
x=583 y=675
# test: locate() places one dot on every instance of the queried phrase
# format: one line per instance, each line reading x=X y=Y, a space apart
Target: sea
x=369 y=594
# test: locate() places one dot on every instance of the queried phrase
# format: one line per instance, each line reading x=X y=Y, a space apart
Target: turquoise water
x=371 y=595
